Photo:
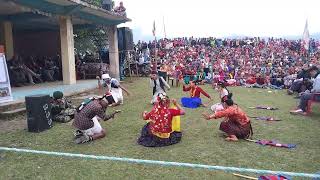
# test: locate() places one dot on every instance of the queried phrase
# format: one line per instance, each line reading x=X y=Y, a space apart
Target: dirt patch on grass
x=15 y=123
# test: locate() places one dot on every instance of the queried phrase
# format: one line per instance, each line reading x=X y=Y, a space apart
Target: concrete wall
x=1 y=34
x=36 y=43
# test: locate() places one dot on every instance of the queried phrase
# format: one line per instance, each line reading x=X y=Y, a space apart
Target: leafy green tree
x=91 y=40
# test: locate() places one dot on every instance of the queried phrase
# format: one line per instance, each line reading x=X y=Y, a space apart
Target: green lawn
x=202 y=143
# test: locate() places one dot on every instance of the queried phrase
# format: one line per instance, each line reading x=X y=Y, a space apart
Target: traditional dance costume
x=223 y=95
x=194 y=100
x=114 y=89
x=161 y=130
x=236 y=122
x=158 y=87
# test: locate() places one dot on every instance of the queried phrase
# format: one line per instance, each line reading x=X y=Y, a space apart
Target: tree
x=90 y=40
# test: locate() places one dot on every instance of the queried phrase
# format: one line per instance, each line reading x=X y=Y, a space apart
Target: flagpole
x=306 y=40
x=155 y=63
x=164 y=28
x=155 y=47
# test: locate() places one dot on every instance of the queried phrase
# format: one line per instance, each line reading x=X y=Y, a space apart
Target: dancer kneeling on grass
x=224 y=94
x=87 y=118
x=194 y=100
x=236 y=124
x=159 y=131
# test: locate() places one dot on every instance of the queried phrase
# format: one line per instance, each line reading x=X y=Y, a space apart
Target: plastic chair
x=163 y=74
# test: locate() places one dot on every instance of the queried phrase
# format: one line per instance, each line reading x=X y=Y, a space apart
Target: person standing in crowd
x=158 y=85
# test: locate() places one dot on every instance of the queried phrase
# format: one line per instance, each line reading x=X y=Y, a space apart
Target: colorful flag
x=154 y=28
x=306 y=37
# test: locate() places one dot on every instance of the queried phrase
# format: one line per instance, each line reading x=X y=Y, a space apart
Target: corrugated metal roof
x=81 y=12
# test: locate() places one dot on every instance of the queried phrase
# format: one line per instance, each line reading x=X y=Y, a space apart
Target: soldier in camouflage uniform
x=62 y=110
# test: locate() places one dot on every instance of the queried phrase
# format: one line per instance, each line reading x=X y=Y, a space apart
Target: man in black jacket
x=158 y=85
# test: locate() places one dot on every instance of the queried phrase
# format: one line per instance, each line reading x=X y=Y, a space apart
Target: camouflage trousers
x=64 y=116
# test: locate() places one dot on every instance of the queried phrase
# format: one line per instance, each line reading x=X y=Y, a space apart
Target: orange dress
x=236 y=122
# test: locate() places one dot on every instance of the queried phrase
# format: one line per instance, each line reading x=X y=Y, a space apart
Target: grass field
x=202 y=143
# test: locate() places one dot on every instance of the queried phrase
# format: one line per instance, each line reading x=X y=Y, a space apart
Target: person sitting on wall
x=121 y=10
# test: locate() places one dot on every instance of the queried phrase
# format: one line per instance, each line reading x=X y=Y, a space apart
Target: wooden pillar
x=67 y=50
x=8 y=39
x=113 y=52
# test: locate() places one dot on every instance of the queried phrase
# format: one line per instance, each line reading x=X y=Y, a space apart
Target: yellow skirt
x=175 y=121
x=175 y=126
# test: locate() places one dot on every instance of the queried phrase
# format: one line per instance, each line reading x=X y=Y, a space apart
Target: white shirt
x=158 y=88
x=316 y=84
x=223 y=93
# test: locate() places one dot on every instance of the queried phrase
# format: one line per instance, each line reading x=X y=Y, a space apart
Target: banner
x=5 y=88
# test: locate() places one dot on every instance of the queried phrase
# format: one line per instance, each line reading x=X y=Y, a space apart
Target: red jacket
x=196 y=91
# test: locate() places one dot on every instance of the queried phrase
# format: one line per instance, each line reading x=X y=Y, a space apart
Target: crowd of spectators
x=250 y=62
x=31 y=70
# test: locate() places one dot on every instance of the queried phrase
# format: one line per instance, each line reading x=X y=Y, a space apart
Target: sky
x=213 y=18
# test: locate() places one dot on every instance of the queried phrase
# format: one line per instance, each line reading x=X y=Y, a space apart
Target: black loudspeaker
x=125 y=39
x=128 y=39
x=120 y=39
x=38 y=113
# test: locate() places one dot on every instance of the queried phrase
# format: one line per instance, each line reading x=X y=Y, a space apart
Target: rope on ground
x=163 y=163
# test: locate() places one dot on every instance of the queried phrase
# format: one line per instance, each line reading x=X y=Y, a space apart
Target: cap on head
x=105 y=76
x=57 y=95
